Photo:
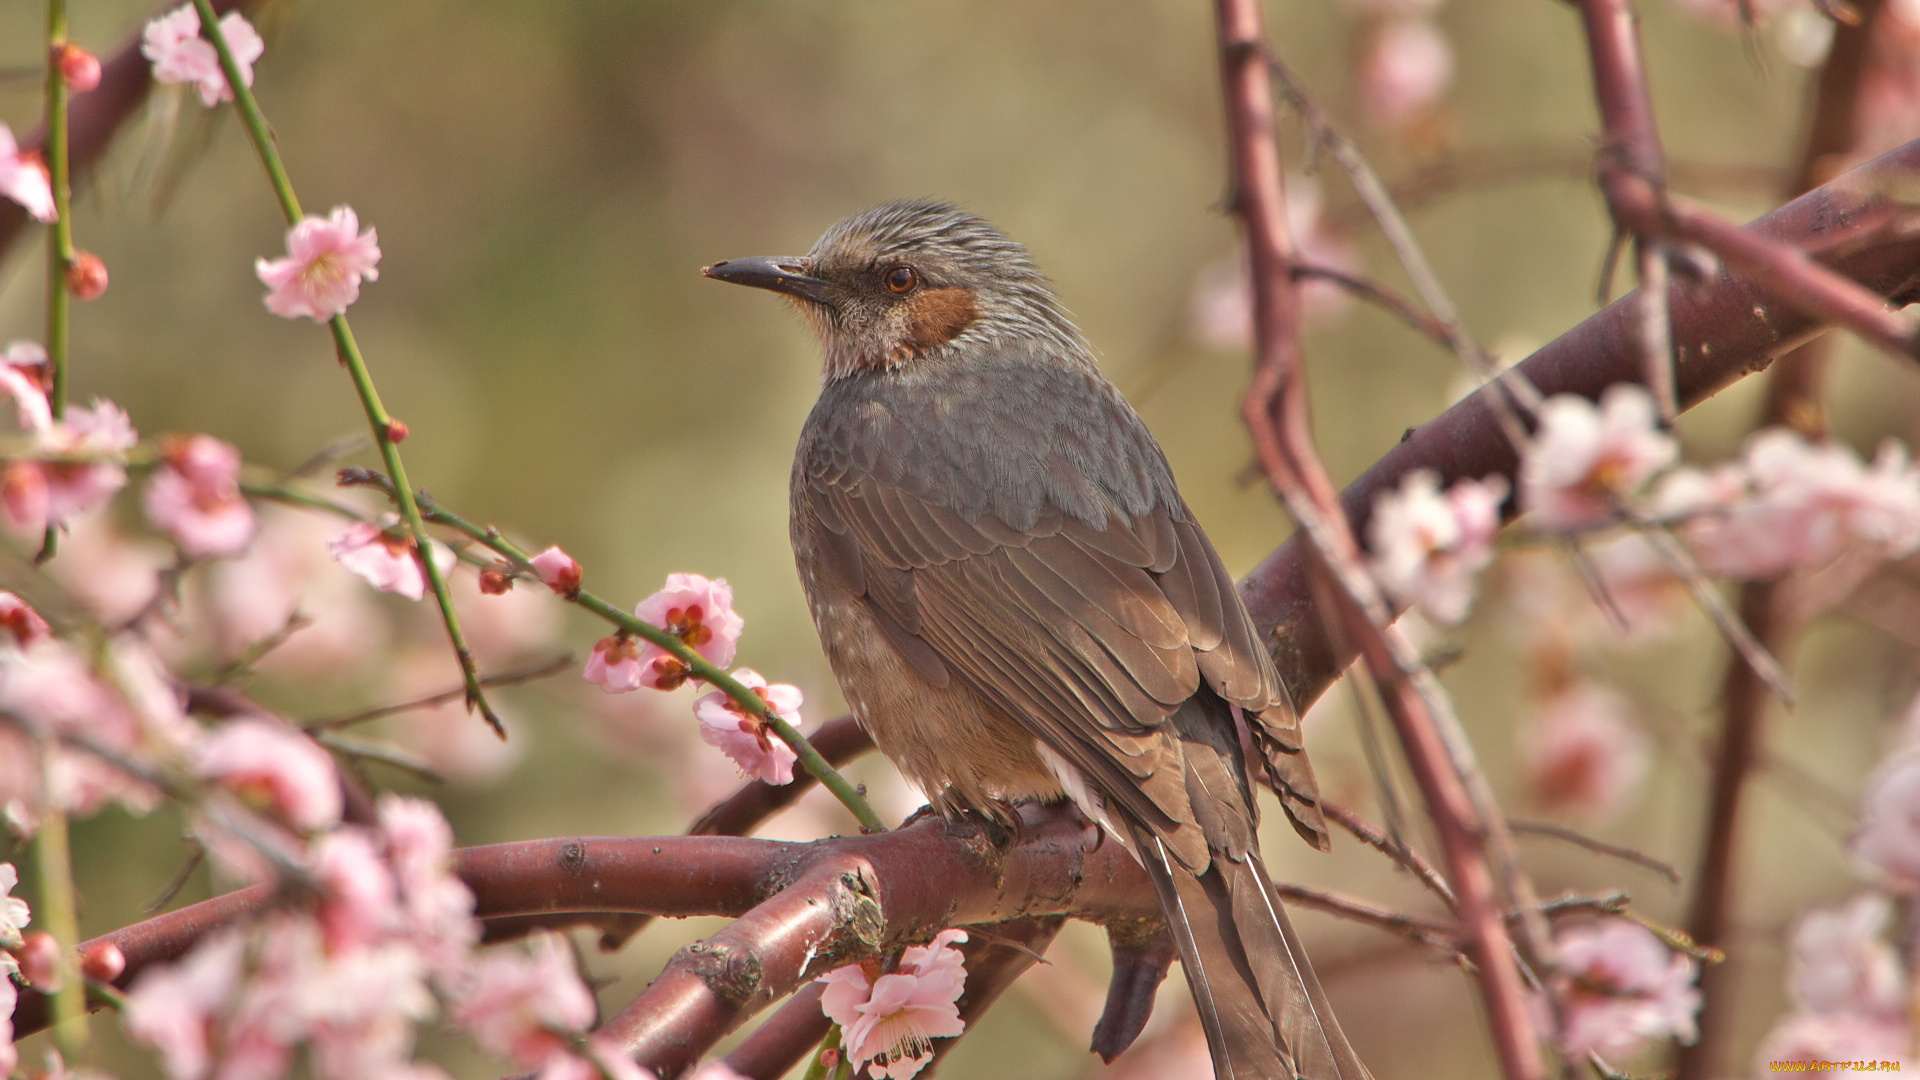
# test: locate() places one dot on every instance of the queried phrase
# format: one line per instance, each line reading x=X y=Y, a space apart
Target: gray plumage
x=1018 y=603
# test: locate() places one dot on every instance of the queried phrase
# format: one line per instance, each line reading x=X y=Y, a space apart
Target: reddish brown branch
x=1276 y=413
x=1768 y=608
x=1723 y=330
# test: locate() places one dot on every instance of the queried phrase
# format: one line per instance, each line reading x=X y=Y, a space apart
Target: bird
x=1018 y=604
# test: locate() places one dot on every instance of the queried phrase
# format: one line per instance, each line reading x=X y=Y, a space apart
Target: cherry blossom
x=181 y=55
x=744 y=737
x=23 y=178
x=1840 y=961
x=1792 y=504
x=700 y=613
x=615 y=664
x=524 y=1004
x=26 y=375
x=558 y=571
x=1582 y=753
x=385 y=560
x=326 y=260
x=14 y=913
x=1428 y=546
x=436 y=907
x=359 y=902
x=94 y=440
x=605 y=1061
x=275 y=769
x=1888 y=838
x=194 y=497
x=1584 y=458
x=9 y=997
x=1834 y=1037
x=890 y=1022
x=1621 y=987
x=1405 y=67
x=172 y=1007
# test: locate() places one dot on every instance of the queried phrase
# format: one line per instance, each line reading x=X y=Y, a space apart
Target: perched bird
x=1018 y=604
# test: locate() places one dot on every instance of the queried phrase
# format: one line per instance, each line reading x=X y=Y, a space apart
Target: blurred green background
x=547 y=180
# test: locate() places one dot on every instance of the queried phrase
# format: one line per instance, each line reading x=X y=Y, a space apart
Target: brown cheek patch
x=937 y=316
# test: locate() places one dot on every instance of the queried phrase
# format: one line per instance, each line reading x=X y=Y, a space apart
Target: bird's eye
x=902 y=279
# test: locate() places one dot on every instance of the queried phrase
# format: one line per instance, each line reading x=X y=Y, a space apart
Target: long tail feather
x=1265 y=1015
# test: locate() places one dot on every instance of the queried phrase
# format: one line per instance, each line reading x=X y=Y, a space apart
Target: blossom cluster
x=889 y=1019
x=1620 y=987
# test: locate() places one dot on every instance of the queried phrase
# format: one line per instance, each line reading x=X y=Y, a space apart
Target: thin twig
x=1580 y=839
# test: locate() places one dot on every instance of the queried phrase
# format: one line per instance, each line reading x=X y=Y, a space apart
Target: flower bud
x=103 y=962
x=86 y=276
x=79 y=69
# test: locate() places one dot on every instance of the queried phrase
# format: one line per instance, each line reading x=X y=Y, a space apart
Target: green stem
x=58 y=914
x=810 y=758
x=60 y=247
x=349 y=352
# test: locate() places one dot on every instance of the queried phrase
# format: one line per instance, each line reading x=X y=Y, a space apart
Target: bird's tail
x=1265 y=1015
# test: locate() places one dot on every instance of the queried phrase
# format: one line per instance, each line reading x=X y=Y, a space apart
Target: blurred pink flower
x=1584 y=459
x=525 y=1005
x=195 y=497
x=1428 y=546
x=288 y=572
x=1405 y=67
x=1832 y=1037
x=385 y=559
x=445 y=737
x=37 y=494
x=1583 y=755
x=25 y=375
x=603 y=1060
x=436 y=906
x=20 y=623
x=717 y=1070
x=23 y=178
x=742 y=736
x=359 y=904
x=1622 y=986
x=890 y=1022
x=615 y=664
x=1840 y=962
x=1888 y=837
x=700 y=613
x=1792 y=504
x=9 y=997
x=275 y=769
x=14 y=913
x=173 y=1007
x=326 y=260
x=1220 y=311
x=181 y=55
x=557 y=571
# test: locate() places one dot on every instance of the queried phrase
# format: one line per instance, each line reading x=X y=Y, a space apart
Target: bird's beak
x=781 y=274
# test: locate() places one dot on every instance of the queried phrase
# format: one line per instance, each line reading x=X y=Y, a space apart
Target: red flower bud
x=79 y=69
x=86 y=276
x=494 y=581
x=103 y=962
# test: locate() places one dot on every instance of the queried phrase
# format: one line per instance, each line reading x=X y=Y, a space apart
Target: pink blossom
x=385 y=559
x=1621 y=987
x=181 y=55
x=743 y=736
x=359 y=903
x=557 y=571
x=1584 y=459
x=1888 y=838
x=1834 y=1037
x=173 y=1007
x=25 y=376
x=700 y=613
x=286 y=572
x=20 y=623
x=1582 y=753
x=326 y=258
x=717 y=1070
x=275 y=769
x=605 y=1061
x=14 y=913
x=23 y=178
x=9 y=998
x=615 y=665
x=524 y=1005
x=1428 y=547
x=195 y=497
x=436 y=907
x=1792 y=504
x=890 y=1022
x=1841 y=963
x=37 y=494
x=1405 y=67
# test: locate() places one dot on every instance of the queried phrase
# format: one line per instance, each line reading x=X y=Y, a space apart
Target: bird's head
x=907 y=281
